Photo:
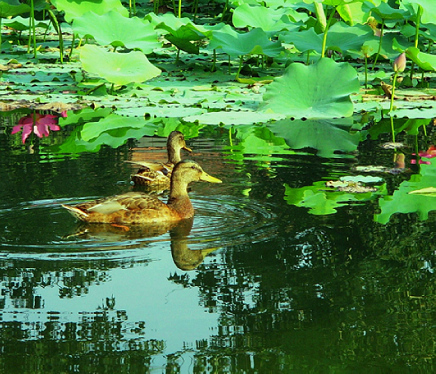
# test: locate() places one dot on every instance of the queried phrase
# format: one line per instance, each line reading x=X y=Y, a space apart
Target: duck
x=152 y=174
x=142 y=208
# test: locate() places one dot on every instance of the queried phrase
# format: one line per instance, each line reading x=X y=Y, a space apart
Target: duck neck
x=179 y=199
x=173 y=155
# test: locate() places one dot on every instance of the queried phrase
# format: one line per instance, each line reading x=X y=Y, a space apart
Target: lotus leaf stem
x=324 y=39
x=380 y=44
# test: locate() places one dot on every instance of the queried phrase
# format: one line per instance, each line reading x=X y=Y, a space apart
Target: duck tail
x=76 y=212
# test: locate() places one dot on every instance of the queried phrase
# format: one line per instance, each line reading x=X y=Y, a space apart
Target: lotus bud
x=400 y=63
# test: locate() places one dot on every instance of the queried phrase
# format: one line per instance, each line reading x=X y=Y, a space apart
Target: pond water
x=252 y=285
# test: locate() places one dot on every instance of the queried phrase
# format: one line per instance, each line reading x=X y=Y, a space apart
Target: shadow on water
x=253 y=284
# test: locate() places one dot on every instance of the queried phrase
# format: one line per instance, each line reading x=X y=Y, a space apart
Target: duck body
x=140 y=208
x=159 y=174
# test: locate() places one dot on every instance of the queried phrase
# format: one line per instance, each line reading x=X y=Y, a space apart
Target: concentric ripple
x=43 y=227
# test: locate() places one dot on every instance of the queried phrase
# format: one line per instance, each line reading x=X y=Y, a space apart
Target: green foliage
x=77 y=8
x=11 y=8
x=329 y=138
x=324 y=200
x=117 y=68
x=253 y=42
x=403 y=201
x=114 y=29
x=321 y=90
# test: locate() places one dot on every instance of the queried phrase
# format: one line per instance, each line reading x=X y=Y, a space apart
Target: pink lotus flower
x=429 y=153
x=38 y=123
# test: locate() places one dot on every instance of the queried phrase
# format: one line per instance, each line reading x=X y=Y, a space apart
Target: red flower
x=38 y=123
x=429 y=153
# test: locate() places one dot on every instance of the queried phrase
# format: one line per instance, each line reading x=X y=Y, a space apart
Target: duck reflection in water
x=183 y=257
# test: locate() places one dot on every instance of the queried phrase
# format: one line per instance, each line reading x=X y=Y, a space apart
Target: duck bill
x=187 y=149
x=208 y=178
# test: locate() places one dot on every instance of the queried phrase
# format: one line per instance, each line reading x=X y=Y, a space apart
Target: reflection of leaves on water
x=183 y=279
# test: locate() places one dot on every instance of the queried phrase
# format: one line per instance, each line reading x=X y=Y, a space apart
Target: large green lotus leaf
x=113 y=28
x=254 y=42
x=117 y=68
x=170 y=23
x=321 y=90
x=307 y=40
x=92 y=130
x=330 y=138
x=340 y=37
x=76 y=8
x=353 y=13
x=425 y=61
x=268 y=19
x=11 y=8
x=428 y=7
x=402 y=201
x=384 y=12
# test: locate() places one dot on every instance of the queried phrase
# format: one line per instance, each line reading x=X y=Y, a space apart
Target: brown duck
x=140 y=208
x=158 y=175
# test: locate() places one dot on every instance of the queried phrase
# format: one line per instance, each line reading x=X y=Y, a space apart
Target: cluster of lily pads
x=284 y=73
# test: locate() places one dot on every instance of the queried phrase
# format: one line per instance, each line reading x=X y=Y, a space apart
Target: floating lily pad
x=404 y=200
x=117 y=68
x=324 y=200
x=321 y=90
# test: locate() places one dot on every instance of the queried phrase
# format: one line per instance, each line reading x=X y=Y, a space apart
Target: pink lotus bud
x=400 y=63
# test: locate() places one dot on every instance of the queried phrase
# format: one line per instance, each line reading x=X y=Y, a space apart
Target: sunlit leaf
x=429 y=10
x=321 y=90
x=113 y=28
x=268 y=19
x=76 y=8
x=254 y=42
x=424 y=60
x=117 y=68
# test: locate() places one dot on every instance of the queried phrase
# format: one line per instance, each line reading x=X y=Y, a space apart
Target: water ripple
x=43 y=227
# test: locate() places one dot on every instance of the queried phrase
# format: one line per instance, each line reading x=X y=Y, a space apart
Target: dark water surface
x=254 y=286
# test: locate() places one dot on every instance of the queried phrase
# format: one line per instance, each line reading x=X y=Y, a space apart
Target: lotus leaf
x=403 y=201
x=321 y=90
x=76 y=8
x=113 y=28
x=117 y=68
x=429 y=10
x=425 y=61
x=254 y=42
x=12 y=8
x=268 y=19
